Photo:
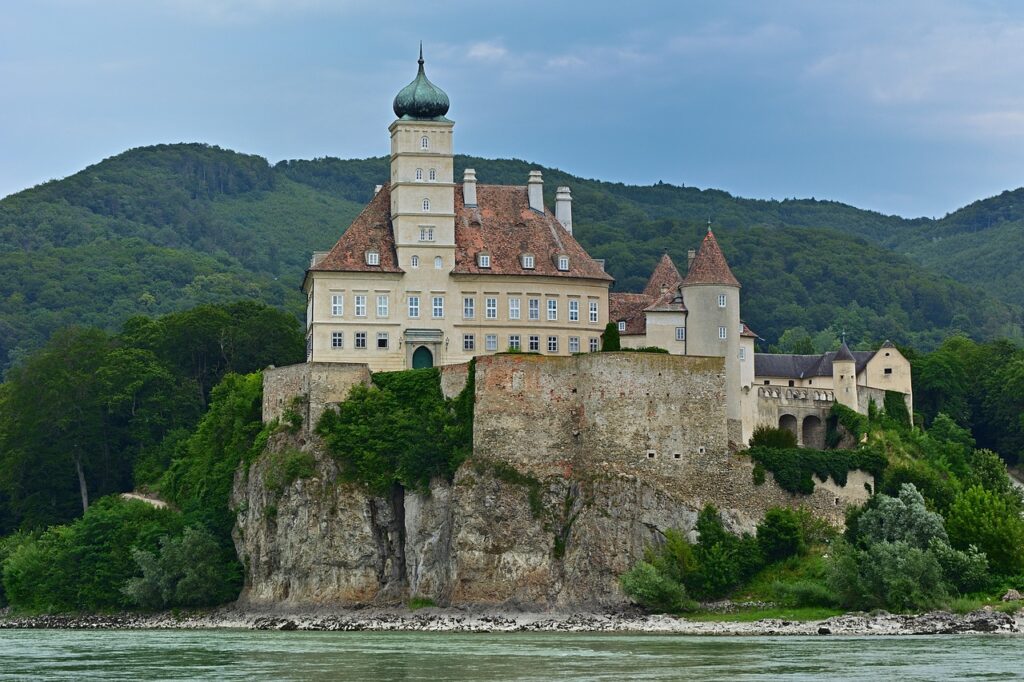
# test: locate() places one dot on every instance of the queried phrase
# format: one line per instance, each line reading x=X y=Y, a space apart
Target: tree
x=993 y=523
x=610 y=338
x=780 y=534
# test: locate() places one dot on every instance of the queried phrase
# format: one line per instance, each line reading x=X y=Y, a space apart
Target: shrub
x=854 y=422
x=967 y=571
x=803 y=592
x=769 y=437
x=648 y=587
x=645 y=349
x=190 y=570
x=902 y=519
x=993 y=524
x=758 y=474
x=610 y=338
x=780 y=534
x=894 y=575
x=938 y=490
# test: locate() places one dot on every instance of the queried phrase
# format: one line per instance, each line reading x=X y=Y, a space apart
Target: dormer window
x=563 y=263
x=419 y=174
x=483 y=260
x=432 y=174
x=373 y=257
x=424 y=142
x=527 y=259
x=426 y=205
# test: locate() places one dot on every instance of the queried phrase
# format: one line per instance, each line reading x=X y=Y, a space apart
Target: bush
x=645 y=349
x=902 y=519
x=610 y=338
x=893 y=575
x=993 y=524
x=769 y=437
x=648 y=587
x=780 y=534
x=190 y=570
x=854 y=422
x=967 y=571
x=804 y=592
x=938 y=489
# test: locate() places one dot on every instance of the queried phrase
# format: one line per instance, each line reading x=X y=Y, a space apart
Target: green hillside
x=163 y=228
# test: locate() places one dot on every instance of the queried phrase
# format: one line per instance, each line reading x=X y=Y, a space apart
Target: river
x=243 y=655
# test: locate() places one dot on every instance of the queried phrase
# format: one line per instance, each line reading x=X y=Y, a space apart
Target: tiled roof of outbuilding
x=801 y=366
x=710 y=266
x=665 y=275
x=629 y=308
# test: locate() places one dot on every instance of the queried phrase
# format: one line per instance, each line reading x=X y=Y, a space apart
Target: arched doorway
x=422 y=358
x=814 y=433
x=788 y=422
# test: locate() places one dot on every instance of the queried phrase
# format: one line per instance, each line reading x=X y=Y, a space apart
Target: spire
x=844 y=354
x=421 y=99
x=710 y=266
x=664 y=275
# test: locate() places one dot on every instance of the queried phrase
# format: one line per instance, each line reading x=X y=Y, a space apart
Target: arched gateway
x=422 y=358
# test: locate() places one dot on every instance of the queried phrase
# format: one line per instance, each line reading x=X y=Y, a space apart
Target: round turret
x=421 y=99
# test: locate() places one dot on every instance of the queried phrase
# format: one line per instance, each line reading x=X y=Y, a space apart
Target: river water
x=145 y=655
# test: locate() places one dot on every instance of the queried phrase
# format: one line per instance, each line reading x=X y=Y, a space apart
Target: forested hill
x=162 y=228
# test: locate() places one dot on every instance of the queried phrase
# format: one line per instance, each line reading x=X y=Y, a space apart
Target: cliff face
x=578 y=465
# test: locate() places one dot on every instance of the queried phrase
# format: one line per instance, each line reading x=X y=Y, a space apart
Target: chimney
x=377 y=189
x=690 y=255
x=469 y=187
x=563 y=208
x=535 y=185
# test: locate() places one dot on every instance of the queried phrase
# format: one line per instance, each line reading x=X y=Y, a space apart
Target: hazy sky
x=913 y=107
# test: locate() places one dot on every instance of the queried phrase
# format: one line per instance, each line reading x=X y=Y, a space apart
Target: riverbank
x=444 y=620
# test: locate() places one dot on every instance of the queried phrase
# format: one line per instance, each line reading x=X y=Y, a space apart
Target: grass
x=813 y=566
x=755 y=614
x=421 y=603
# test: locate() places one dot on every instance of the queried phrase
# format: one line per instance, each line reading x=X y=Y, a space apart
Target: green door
x=422 y=358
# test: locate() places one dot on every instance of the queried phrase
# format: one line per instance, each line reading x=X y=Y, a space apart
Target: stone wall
x=309 y=388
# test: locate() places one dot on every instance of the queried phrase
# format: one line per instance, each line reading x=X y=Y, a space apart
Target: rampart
x=309 y=388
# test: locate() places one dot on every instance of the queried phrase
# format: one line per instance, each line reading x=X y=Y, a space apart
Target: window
x=563 y=263
x=426 y=234
x=491 y=342
x=414 y=261
x=360 y=305
x=483 y=260
x=337 y=339
x=372 y=258
x=534 y=311
x=424 y=142
x=468 y=308
x=513 y=342
x=740 y=332
x=468 y=342
x=414 y=306
x=383 y=304
x=651 y=454
x=552 y=344
x=593 y=312
x=680 y=333
x=888 y=370
x=622 y=325
x=433 y=174
x=534 y=343
x=528 y=261
x=574 y=311
x=337 y=305
x=513 y=308
x=722 y=333
x=419 y=173
x=437 y=306
x=426 y=205
x=595 y=345
x=743 y=356
x=438 y=262
x=382 y=340
x=552 y=309
x=491 y=308
x=721 y=300
x=361 y=340
x=574 y=344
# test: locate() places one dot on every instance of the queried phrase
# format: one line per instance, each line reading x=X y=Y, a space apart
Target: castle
x=434 y=273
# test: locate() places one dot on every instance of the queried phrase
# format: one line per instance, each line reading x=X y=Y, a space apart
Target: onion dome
x=421 y=99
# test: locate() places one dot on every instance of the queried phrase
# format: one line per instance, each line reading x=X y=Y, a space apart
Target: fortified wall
x=579 y=463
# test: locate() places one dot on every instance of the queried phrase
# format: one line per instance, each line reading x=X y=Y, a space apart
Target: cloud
x=486 y=51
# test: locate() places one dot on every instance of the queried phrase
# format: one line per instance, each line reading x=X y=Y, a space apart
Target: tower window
x=680 y=333
x=426 y=205
x=419 y=173
x=722 y=300
x=743 y=356
x=438 y=262
x=426 y=234
x=414 y=261
x=723 y=333
x=432 y=175
x=622 y=325
x=424 y=142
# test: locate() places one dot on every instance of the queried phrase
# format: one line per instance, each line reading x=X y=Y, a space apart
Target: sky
x=912 y=107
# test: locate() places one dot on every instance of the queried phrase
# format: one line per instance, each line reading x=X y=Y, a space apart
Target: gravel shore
x=445 y=620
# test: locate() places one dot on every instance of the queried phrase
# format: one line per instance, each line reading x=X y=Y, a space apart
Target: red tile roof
x=370 y=230
x=502 y=224
x=665 y=275
x=747 y=331
x=710 y=267
x=629 y=308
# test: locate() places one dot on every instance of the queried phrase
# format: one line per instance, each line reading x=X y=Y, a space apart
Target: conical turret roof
x=844 y=354
x=710 y=267
x=665 y=275
x=421 y=99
